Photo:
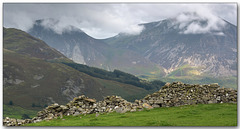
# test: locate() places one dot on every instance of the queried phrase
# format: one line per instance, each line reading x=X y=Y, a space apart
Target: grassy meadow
x=190 y=115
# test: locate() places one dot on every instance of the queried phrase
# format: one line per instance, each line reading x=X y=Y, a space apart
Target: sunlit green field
x=193 y=115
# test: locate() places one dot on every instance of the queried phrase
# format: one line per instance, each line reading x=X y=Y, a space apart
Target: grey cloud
x=105 y=20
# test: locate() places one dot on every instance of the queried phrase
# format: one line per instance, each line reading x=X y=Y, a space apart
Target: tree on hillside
x=25 y=116
x=10 y=102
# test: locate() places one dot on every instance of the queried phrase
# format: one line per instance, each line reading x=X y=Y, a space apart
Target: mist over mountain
x=187 y=39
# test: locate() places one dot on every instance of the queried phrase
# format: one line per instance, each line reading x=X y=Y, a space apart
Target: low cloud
x=58 y=26
x=106 y=20
x=199 y=22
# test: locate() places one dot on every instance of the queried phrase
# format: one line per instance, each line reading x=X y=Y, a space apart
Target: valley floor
x=191 y=115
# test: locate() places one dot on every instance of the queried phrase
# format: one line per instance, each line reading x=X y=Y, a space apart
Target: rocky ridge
x=174 y=94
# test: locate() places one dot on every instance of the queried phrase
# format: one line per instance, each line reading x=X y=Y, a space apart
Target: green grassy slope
x=193 y=115
x=17 y=112
x=193 y=75
x=126 y=91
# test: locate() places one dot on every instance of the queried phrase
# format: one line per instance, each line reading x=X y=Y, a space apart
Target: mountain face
x=32 y=76
x=72 y=44
x=83 y=49
x=169 y=44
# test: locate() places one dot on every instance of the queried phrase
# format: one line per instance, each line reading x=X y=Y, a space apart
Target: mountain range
x=165 y=50
x=165 y=43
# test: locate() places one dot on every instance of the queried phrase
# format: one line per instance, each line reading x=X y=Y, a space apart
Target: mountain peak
x=56 y=26
x=190 y=23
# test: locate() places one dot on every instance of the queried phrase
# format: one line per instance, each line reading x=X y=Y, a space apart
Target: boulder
x=120 y=110
x=147 y=106
x=90 y=100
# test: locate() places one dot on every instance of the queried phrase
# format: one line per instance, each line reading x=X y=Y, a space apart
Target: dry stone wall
x=177 y=93
x=174 y=94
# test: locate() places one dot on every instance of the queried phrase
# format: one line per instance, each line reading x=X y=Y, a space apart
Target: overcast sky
x=106 y=20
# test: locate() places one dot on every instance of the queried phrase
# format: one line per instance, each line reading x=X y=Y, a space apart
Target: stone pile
x=15 y=122
x=80 y=105
x=174 y=94
x=84 y=105
x=177 y=93
x=115 y=103
x=51 y=112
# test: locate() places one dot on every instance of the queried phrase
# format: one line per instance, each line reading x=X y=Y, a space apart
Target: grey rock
x=76 y=114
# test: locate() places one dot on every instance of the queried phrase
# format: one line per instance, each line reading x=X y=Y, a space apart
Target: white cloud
x=199 y=19
x=59 y=26
x=105 y=20
x=219 y=33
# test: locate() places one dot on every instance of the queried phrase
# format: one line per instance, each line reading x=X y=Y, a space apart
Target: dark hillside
x=119 y=76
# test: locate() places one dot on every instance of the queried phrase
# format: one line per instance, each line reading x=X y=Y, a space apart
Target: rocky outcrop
x=174 y=94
